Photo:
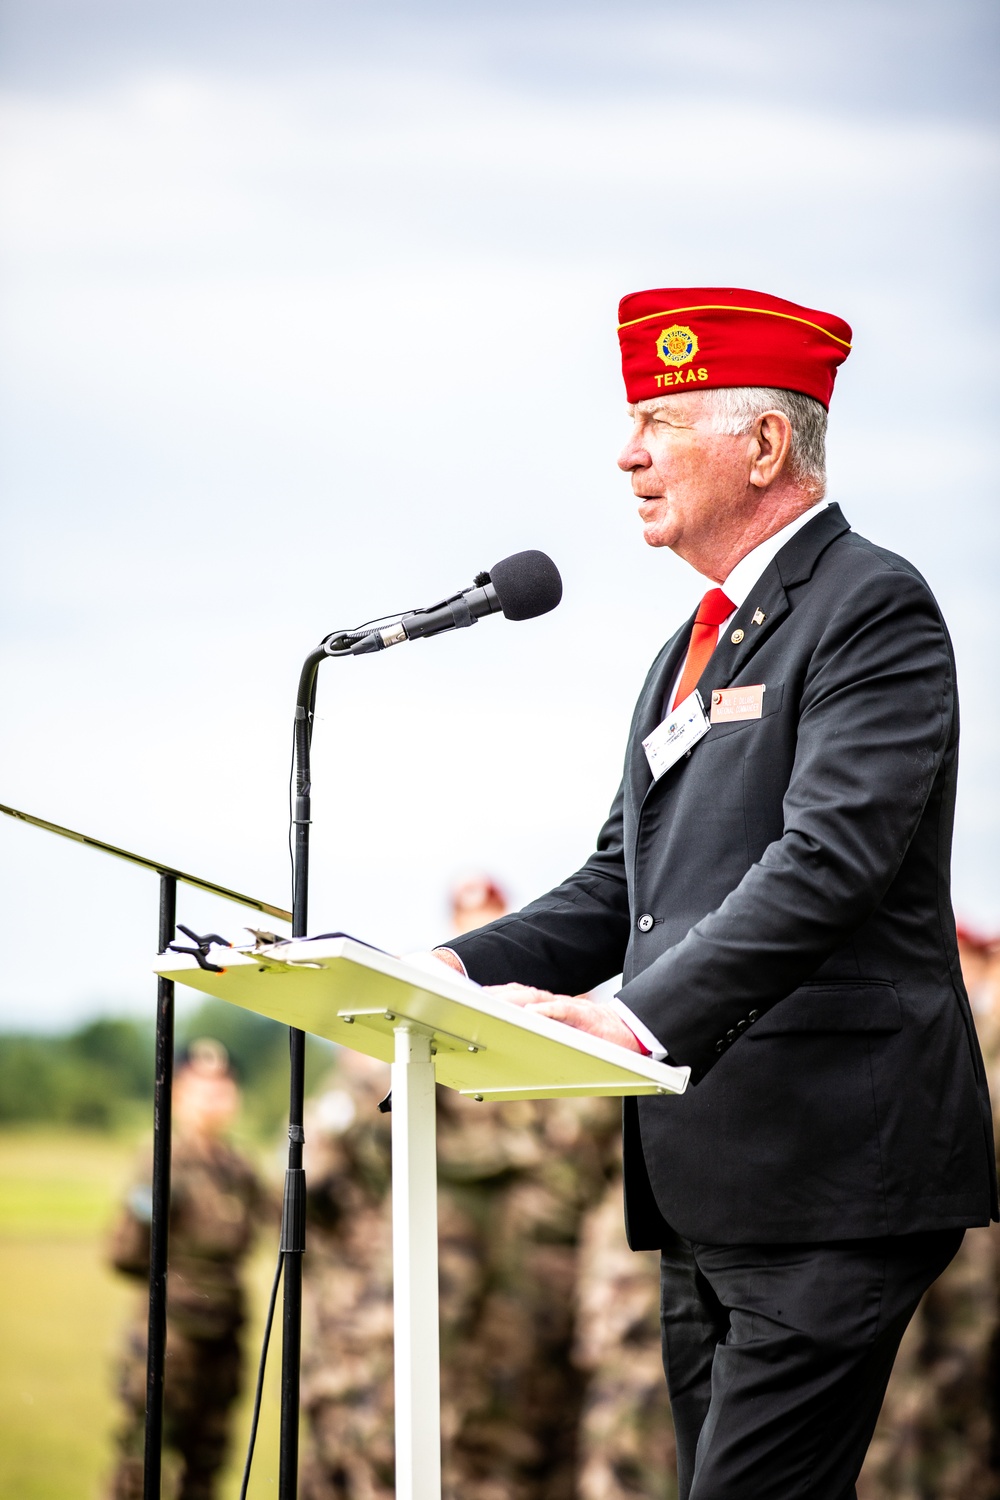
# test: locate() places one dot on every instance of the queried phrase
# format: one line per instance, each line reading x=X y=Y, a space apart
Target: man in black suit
x=773 y=881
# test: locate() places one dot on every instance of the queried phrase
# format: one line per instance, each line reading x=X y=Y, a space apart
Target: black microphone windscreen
x=526 y=584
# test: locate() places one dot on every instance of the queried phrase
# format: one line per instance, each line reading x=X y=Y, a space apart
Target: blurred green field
x=61 y=1314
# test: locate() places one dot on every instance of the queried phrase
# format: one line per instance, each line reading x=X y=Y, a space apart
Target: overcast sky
x=308 y=314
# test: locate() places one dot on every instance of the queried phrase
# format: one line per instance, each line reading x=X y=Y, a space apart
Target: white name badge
x=674 y=737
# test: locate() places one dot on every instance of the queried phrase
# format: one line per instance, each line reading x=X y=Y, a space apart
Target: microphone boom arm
x=529 y=585
x=456 y=613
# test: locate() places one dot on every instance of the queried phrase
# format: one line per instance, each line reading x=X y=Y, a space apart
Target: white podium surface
x=432 y=1028
x=484 y=1046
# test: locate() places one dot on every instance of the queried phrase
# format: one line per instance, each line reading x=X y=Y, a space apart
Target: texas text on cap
x=693 y=338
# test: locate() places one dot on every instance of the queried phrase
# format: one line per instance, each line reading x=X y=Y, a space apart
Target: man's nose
x=633 y=456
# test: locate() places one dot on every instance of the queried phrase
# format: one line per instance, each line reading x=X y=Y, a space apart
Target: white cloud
x=173 y=162
x=287 y=350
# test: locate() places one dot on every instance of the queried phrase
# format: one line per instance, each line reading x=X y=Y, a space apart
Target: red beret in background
x=694 y=338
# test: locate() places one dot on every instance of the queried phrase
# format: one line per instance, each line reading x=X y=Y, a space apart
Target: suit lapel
x=767 y=603
x=753 y=622
x=765 y=607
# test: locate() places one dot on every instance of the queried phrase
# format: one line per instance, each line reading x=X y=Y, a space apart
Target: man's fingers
x=517 y=994
x=558 y=1009
x=584 y=1014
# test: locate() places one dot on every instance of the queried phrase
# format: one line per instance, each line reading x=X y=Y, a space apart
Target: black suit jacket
x=802 y=957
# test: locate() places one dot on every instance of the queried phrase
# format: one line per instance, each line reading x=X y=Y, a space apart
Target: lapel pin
x=736 y=637
x=759 y=617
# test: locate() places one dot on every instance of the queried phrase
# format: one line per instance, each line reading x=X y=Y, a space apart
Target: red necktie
x=712 y=611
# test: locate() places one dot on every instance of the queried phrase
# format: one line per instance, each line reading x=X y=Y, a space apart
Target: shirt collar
x=747 y=571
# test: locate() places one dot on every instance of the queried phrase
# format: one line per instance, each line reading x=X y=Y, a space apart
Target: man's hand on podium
x=573 y=1010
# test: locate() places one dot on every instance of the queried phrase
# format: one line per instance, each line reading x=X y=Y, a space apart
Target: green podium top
x=483 y=1046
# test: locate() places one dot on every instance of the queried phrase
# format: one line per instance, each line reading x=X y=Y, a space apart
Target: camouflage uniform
x=215 y=1199
x=515 y=1180
x=937 y=1435
x=347 y=1366
x=626 y=1442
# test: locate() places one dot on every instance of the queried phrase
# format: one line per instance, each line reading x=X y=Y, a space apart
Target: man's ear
x=770 y=447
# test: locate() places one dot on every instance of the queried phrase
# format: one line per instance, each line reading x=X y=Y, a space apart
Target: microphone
x=520 y=587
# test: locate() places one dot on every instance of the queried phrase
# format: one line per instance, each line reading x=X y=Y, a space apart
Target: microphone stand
x=533 y=586
x=293 y=1214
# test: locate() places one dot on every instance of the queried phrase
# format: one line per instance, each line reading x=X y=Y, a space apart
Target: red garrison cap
x=694 y=338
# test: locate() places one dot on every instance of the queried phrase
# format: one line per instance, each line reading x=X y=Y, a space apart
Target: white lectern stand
x=432 y=1028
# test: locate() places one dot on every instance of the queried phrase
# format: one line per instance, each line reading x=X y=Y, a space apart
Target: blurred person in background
x=980 y=958
x=474 y=902
x=514 y=1183
x=347 y=1364
x=938 y=1436
x=215 y=1203
x=626 y=1445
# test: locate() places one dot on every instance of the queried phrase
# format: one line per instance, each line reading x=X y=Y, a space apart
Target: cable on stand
x=293 y=1212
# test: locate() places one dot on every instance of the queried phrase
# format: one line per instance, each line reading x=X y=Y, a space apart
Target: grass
x=61 y=1316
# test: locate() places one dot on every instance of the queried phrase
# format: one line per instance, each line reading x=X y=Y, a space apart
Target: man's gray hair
x=735 y=408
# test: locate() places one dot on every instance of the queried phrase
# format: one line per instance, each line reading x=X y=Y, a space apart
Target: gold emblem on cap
x=677 y=345
x=736 y=637
x=758 y=617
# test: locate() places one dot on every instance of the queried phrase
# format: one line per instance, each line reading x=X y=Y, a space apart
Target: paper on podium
x=484 y=1046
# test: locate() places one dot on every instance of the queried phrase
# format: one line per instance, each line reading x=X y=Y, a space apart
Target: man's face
x=205 y=1102
x=691 y=482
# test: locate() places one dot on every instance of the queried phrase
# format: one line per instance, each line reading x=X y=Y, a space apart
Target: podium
x=433 y=1028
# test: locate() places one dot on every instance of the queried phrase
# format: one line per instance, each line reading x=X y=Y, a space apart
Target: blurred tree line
x=100 y=1075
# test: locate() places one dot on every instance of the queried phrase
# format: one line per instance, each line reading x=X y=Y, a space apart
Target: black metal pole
x=293 y=1243
x=160 y=1222
x=293 y=1219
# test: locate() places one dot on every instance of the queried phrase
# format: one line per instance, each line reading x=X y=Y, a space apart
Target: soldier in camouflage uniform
x=937 y=1435
x=626 y=1441
x=515 y=1181
x=215 y=1200
x=347 y=1368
